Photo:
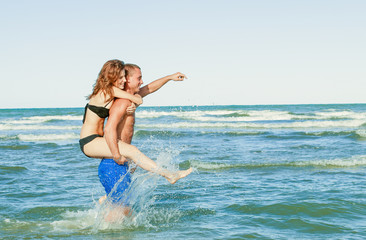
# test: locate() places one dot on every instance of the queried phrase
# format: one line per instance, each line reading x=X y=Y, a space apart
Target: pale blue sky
x=233 y=52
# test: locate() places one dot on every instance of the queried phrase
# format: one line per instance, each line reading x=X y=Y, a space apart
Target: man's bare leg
x=102 y=199
x=116 y=213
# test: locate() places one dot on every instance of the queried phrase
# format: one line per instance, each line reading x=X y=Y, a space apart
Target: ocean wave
x=236 y=114
x=8 y=137
x=333 y=114
x=11 y=169
x=47 y=137
x=354 y=161
x=15 y=147
x=232 y=133
x=144 y=133
x=310 y=208
x=157 y=133
x=37 y=127
x=219 y=115
x=302 y=124
x=42 y=119
x=361 y=133
x=183 y=114
x=253 y=115
x=328 y=133
x=54 y=117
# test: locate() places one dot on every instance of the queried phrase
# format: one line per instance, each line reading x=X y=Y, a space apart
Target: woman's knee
x=128 y=149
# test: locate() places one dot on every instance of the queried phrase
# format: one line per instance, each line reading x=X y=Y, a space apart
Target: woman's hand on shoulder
x=131 y=109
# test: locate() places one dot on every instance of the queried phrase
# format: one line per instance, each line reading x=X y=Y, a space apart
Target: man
x=120 y=125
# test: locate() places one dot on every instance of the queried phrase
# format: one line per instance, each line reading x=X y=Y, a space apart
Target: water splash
x=136 y=208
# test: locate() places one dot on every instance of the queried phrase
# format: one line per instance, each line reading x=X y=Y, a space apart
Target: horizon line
x=204 y=105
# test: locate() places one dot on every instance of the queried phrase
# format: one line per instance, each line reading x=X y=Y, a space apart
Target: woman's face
x=120 y=83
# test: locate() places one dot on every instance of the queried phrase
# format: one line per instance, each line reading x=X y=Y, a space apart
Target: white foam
x=75 y=220
x=252 y=115
x=340 y=114
x=302 y=124
x=36 y=127
x=20 y=121
x=269 y=115
x=47 y=137
x=361 y=133
x=353 y=161
x=41 y=119
x=209 y=165
x=182 y=114
x=217 y=115
x=321 y=124
x=55 y=117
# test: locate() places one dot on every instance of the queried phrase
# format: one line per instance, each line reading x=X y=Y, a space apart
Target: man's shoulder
x=120 y=104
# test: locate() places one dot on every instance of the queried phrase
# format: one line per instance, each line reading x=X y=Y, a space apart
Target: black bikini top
x=102 y=112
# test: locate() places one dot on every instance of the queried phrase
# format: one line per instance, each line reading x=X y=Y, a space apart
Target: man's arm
x=157 y=84
x=116 y=114
x=125 y=133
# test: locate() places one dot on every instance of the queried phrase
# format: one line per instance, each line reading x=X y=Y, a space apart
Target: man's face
x=134 y=80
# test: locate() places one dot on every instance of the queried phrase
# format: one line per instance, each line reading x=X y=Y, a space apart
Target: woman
x=108 y=86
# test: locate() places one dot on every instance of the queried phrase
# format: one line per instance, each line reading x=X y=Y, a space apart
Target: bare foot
x=178 y=175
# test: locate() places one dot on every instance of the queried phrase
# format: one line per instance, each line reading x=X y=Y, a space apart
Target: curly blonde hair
x=109 y=74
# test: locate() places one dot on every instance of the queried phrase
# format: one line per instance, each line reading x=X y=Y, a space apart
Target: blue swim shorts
x=115 y=177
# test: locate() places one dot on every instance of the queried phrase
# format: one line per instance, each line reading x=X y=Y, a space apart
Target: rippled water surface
x=262 y=172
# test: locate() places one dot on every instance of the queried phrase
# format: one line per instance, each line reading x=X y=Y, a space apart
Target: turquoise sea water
x=261 y=172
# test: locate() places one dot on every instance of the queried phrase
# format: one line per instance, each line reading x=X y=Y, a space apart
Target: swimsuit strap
x=89 y=106
x=108 y=102
x=86 y=106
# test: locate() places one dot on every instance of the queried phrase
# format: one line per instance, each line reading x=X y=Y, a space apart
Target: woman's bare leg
x=98 y=148
x=147 y=164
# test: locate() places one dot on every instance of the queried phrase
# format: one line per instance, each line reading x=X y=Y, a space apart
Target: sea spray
x=135 y=208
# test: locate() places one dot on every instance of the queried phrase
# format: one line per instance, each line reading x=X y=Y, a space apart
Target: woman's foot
x=178 y=175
